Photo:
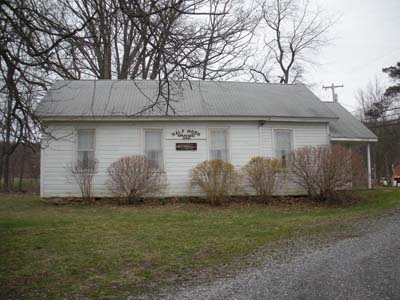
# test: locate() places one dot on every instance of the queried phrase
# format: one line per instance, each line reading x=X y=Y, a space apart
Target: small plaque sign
x=186 y=146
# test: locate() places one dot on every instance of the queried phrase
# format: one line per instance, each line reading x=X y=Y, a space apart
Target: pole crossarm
x=333 y=87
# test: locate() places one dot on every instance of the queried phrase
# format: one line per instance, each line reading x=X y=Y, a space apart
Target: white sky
x=365 y=39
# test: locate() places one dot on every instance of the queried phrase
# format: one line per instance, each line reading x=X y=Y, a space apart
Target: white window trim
x=142 y=137
x=75 y=154
x=228 y=130
x=281 y=129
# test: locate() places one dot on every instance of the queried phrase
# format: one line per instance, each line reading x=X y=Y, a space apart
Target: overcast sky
x=366 y=39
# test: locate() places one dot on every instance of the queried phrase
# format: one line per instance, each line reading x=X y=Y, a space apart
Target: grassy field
x=100 y=252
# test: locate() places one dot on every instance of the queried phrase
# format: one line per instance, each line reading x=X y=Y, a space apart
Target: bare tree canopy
x=168 y=41
x=227 y=40
x=380 y=105
x=29 y=35
x=293 y=32
x=373 y=93
x=172 y=39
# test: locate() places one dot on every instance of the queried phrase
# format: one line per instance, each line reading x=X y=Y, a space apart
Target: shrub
x=134 y=176
x=324 y=171
x=82 y=172
x=216 y=178
x=265 y=175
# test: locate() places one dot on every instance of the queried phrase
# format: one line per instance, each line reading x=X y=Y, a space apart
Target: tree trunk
x=1 y=164
x=6 y=148
x=22 y=169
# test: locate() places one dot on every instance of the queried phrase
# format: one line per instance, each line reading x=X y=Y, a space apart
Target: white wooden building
x=210 y=120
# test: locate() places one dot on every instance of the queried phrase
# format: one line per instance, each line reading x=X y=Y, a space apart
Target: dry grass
x=61 y=252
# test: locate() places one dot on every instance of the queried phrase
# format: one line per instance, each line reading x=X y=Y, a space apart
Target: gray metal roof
x=347 y=126
x=101 y=98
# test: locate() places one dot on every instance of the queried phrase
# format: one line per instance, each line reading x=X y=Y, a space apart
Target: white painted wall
x=114 y=140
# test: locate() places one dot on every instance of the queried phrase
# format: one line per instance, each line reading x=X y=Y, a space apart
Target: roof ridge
x=188 y=80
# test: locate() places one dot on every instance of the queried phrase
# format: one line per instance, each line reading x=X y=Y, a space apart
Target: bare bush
x=265 y=175
x=324 y=171
x=82 y=172
x=134 y=176
x=216 y=178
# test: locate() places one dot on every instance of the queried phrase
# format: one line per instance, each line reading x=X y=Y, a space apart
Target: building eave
x=347 y=139
x=182 y=118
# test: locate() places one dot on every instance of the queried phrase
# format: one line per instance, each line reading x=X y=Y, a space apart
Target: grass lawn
x=62 y=252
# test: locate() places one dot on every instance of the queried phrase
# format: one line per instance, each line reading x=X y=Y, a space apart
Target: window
x=219 y=144
x=153 y=146
x=85 y=146
x=283 y=143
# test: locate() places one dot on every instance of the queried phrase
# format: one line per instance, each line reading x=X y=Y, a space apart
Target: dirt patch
x=343 y=199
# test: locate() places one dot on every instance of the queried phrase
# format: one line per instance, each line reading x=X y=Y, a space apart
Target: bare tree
x=377 y=107
x=134 y=176
x=368 y=99
x=167 y=41
x=82 y=173
x=293 y=33
x=29 y=33
x=187 y=39
x=227 y=36
x=108 y=47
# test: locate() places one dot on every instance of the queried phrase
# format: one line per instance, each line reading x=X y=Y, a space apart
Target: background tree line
x=380 y=112
x=164 y=40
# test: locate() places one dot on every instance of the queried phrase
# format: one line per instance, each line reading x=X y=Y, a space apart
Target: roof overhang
x=181 y=118
x=346 y=139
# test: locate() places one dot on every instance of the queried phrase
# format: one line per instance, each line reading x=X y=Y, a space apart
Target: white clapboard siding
x=115 y=140
x=303 y=135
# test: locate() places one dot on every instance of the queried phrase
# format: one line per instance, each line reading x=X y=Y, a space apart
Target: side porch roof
x=347 y=128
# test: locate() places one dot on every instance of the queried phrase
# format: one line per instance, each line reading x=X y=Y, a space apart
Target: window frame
x=274 y=140
x=228 y=141
x=76 y=150
x=143 y=143
x=75 y=155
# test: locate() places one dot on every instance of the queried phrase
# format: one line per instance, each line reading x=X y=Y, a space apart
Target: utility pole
x=333 y=87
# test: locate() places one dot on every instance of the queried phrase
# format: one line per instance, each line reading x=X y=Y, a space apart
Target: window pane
x=84 y=157
x=283 y=144
x=153 y=140
x=153 y=146
x=85 y=140
x=85 y=147
x=219 y=144
x=219 y=154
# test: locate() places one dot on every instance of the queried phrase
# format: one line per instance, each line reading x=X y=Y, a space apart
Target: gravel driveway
x=362 y=265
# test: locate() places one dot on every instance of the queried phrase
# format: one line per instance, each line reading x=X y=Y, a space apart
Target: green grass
x=99 y=251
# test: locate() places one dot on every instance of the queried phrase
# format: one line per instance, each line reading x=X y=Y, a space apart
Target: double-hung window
x=86 y=146
x=283 y=144
x=219 y=144
x=153 y=146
